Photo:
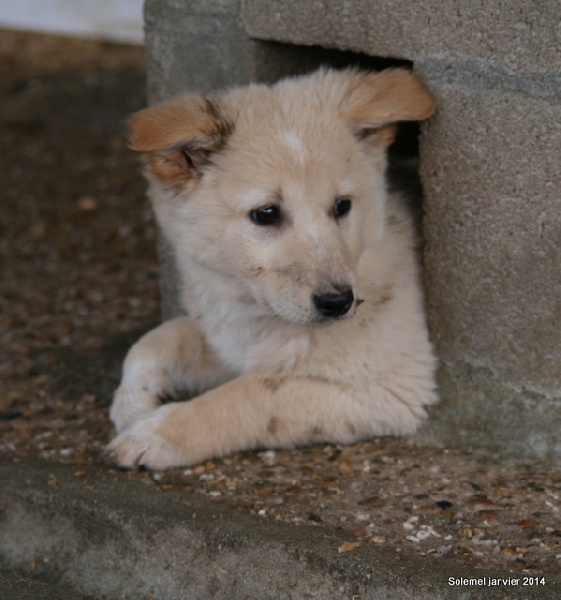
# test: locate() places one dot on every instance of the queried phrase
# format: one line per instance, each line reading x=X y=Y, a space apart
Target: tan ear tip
x=132 y=143
x=427 y=102
x=430 y=105
x=413 y=84
x=131 y=133
x=402 y=93
x=138 y=131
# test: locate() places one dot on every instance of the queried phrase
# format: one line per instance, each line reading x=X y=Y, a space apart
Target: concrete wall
x=489 y=165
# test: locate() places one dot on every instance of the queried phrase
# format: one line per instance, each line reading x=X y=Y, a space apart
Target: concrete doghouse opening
x=489 y=168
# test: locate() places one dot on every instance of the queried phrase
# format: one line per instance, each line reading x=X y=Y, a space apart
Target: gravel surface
x=79 y=283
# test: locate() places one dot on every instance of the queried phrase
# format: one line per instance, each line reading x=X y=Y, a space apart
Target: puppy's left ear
x=374 y=102
x=179 y=138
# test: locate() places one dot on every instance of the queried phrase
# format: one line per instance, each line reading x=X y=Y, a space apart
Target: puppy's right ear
x=374 y=102
x=179 y=138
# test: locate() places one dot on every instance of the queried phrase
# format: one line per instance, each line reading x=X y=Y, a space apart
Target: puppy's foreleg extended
x=260 y=410
x=171 y=357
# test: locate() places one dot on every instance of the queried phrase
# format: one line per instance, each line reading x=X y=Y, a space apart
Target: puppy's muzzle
x=334 y=305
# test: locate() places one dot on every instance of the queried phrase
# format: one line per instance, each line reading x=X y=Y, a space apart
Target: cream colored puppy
x=298 y=272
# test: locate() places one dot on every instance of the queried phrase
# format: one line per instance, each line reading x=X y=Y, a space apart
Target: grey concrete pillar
x=492 y=173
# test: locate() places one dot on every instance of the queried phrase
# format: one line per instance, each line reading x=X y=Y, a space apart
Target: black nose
x=334 y=305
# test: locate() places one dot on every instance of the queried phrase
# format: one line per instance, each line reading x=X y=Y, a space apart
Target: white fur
x=295 y=144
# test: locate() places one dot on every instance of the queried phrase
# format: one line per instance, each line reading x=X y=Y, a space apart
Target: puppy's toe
x=141 y=446
x=127 y=451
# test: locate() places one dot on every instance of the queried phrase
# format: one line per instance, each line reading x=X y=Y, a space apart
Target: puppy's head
x=280 y=189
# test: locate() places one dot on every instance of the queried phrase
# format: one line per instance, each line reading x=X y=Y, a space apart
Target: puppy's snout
x=334 y=305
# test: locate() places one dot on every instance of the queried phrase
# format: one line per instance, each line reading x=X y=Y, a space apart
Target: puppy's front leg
x=259 y=410
x=171 y=357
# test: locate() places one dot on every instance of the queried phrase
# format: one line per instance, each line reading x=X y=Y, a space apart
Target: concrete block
x=521 y=35
x=492 y=229
x=195 y=45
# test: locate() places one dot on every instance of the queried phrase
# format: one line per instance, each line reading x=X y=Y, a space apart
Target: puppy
x=297 y=269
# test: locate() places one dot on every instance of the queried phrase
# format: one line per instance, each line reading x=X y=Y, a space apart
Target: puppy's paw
x=140 y=445
x=130 y=405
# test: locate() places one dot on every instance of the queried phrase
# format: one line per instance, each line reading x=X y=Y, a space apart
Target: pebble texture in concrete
x=110 y=537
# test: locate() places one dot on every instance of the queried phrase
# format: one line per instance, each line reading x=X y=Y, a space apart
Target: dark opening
x=275 y=60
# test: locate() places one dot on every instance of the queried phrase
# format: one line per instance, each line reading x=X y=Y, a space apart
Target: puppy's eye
x=341 y=207
x=266 y=216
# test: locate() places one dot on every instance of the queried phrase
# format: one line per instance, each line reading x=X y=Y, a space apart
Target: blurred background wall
x=115 y=20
